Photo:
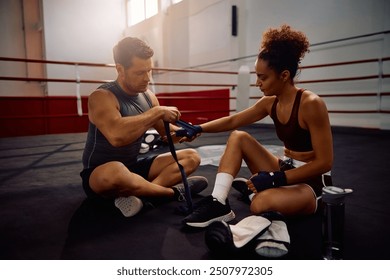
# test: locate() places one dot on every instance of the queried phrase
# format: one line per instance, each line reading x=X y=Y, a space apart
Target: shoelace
x=182 y=196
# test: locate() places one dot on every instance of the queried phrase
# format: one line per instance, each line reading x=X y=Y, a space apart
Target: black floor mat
x=45 y=214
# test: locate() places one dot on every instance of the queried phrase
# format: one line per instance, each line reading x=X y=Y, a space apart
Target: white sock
x=223 y=183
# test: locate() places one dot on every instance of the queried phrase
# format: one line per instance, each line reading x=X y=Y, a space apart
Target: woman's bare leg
x=289 y=200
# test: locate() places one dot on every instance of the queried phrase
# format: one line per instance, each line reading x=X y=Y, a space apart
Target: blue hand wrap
x=187 y=130
x=266 y=180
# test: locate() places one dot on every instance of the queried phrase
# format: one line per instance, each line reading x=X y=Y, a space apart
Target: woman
x=291 y=186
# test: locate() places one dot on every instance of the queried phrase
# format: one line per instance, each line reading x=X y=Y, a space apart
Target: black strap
x=183 y=174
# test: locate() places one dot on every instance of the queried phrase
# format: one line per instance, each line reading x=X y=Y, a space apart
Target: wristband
x=187 y=130
x=266 y=180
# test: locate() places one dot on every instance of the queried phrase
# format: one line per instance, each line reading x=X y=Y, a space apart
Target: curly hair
x=129 y=47
x=283 y=48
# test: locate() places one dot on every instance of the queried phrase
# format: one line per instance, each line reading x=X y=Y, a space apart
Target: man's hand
x=171 y=113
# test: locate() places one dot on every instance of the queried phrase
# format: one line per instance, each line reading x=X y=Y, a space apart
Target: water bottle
x=333 y=224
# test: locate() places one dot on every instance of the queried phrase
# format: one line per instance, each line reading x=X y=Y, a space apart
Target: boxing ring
x=45 y=214
x=53 y=113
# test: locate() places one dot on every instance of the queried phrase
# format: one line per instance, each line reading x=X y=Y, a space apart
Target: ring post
x=78 y=95
x=243 y=88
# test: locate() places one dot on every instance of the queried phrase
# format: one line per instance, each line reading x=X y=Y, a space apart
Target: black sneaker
x=239 y=184
x=196 y=185
x=209 y=210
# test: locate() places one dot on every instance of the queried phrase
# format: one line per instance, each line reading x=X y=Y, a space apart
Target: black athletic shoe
x=239 y=184
x=195 y=183
x=209 y=210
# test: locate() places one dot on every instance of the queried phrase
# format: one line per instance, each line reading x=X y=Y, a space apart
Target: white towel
x=247 y=229
x=275 y=241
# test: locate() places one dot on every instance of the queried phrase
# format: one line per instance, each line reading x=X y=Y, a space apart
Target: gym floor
x=45 y=214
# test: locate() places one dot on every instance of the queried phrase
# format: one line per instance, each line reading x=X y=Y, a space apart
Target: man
x=120 y=112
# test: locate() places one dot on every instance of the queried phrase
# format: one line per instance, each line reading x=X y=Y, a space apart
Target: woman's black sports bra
x=293 y=136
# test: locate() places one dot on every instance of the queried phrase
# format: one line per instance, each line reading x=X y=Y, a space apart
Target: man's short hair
x=129 y=47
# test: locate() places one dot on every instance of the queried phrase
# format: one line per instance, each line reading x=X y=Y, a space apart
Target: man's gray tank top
x=97 y=149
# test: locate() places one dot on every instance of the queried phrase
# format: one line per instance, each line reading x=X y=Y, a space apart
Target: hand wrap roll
x=187 y=130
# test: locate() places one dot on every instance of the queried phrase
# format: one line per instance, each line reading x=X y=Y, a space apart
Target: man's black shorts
x=142 y=168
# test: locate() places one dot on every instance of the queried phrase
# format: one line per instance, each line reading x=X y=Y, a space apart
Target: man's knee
x=192 y=157
x=107 y=176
